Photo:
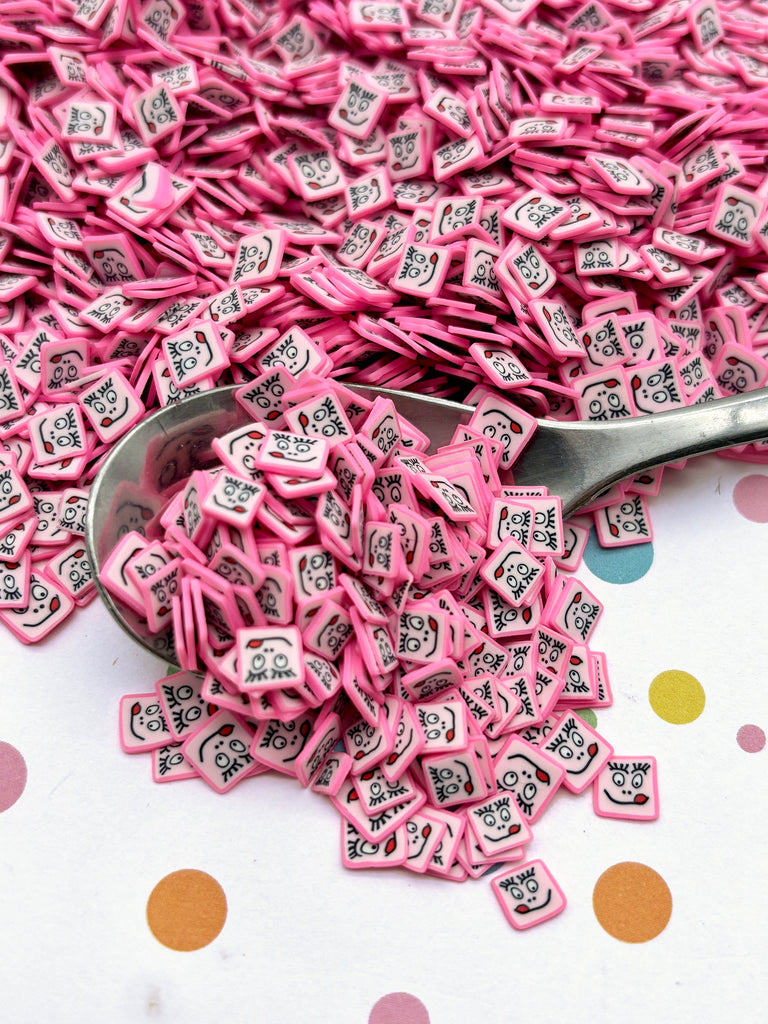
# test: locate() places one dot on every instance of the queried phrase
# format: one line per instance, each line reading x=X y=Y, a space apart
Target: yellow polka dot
x=676 y=696
x=632 y=902
x=186 y=910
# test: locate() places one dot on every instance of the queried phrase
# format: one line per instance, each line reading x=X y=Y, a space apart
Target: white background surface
x=305 y=940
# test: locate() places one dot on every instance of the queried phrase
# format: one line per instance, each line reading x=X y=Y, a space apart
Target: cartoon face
x=269 y=659
x=498 y=821
x=46 y=607
x=640 y=338
x=58 y=434
x=292 y=351
x=529 y=776
x=233 y=498
x=580 y=615
x=111 y=265
x=504 y=618
x=627 y=788
x=605 y=399
x=531 y=270
x=692 y=373
x=481 y=270
x=577 y=677
x=13 y=583
x=189 y=355
x=484 y=658
x=253 y=256
x=359 y=848
x=456 y=214
x=419 y=830
x=333 y=635
x=131 y=517
x=528 y=895
x=364 y=194
x=376 y=792
x=87 y=120
x=146 y=721
x=537 y=211
x=76 y=570
x=223 y=753
x=655 y=388
x=281 y=742
x=158 y=112
x=515 y=575
x=499 y=425
x=547 y=534
x=420 y=636
x=454 y=109
x=110 y=405
x=284 y=450
x=161 y=17
x=626 y=521
x=514 y=521
x=418 y=266
x=362 y=237
x=603 y=344
x=408 y=741
x=171 y=763
x=364 y=740
x=597 y=257
x=161 y=591
x=356 y=104
x=578 y=749
x=737 y=218
x=64 y=368
x=735 y=376
x=439 y=725
x=384 y=651
x=453 y=153
x=451 y=780
x=11 y=491
x=404 y=151
x=324 y=419
x=296 y=41
x=316 y=572
x=226 y=306
x=318 y=172
x=378 y=554
x=184 y=705
x=271 y=596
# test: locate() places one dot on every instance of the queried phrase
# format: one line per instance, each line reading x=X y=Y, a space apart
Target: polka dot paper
x=565 y=202
x=179 y=883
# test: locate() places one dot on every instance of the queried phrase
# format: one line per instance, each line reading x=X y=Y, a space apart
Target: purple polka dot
x=399 y=1008
x=751 y=738
x=13 y=775
x=750 y=496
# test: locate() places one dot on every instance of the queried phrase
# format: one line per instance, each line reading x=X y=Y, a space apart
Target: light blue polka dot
x=617 y=565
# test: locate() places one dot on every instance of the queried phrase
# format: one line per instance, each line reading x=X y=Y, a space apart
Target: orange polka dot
x=632 y=902
x=186 y=910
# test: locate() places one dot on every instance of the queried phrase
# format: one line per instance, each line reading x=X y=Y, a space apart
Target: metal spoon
x=575 y=460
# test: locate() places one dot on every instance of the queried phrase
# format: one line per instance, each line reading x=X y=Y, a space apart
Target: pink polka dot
x=751 y=738
x=750 y=496
x=13 y=775
x=399 y=1008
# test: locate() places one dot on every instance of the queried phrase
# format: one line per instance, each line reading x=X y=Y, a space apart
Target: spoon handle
x=578 y=460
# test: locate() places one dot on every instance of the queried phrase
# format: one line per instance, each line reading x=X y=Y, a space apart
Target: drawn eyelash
x=234 y=765
x=270 y=732
x=525 y=806
x=381 y=820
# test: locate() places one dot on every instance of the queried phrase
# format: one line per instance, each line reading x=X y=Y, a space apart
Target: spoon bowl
x=575 y=460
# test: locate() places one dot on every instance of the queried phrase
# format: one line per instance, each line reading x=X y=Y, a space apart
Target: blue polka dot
x=617 y=565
